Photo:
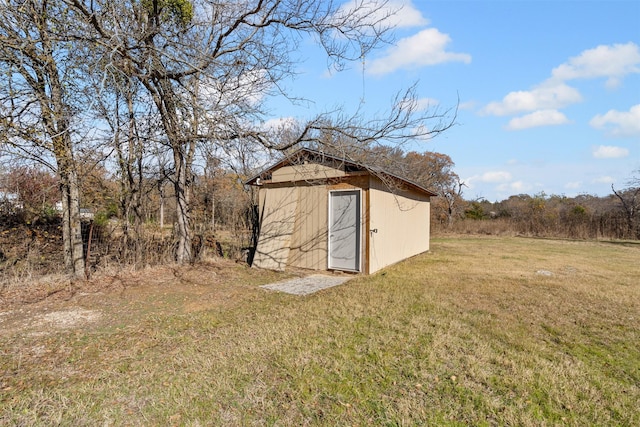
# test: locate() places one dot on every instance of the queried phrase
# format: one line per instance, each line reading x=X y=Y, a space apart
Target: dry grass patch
x=469 y=334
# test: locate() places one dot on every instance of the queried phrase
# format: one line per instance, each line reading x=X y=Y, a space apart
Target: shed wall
x=402 y=224
x=294 y=220
x=305 y=172
x=309 y=238
x=278 y=207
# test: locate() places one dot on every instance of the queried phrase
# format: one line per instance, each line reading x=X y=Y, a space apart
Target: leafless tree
x=130 y=130
x=37 y=88
x=208 y=66
x=630 y=201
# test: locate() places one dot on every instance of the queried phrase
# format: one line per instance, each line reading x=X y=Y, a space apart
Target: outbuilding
x=322 y=212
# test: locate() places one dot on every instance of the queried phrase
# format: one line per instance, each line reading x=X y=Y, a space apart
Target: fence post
x=86 y=259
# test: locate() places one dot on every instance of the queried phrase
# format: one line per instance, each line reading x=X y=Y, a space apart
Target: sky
x=549 y=91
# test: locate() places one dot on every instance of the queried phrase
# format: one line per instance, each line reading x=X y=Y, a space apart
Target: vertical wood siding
x=309 y=238
x=278 y=207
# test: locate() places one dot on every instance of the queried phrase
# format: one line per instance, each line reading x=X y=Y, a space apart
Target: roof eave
x=287 y=160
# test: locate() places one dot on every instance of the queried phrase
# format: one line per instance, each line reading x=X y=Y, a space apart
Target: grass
x=473 y=333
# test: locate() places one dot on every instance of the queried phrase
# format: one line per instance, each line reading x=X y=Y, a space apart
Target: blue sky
x=549 y=90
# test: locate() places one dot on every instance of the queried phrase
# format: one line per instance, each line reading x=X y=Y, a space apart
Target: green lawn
x=480 y=331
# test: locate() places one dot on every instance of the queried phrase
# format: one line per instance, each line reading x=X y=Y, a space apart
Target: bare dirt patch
x=56 y=303
x=66 y=318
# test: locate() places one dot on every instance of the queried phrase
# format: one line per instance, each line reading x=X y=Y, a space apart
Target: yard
x=479 y=331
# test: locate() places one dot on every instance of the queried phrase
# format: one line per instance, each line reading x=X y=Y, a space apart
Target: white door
x=344 y=230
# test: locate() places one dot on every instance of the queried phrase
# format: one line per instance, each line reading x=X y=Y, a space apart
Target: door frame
x=359 y=224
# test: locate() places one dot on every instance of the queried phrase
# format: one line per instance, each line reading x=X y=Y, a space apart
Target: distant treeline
x=581 y=217
x=223 y=216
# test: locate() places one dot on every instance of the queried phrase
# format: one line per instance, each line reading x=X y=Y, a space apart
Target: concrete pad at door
x=306 y=285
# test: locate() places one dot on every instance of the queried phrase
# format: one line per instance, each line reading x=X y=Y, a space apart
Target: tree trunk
x=56 y=117
x=213 y=212
x=66 y=229
x=75 y=226
x=71 y=223
x=181 y=189
x=161 y=190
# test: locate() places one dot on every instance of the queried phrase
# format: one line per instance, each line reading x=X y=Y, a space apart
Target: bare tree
x=36 y=103
x=360 y=138
x=207 y=66
x=630 y=201
x=132 y=130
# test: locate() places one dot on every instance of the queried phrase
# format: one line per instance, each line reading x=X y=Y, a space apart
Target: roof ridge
x=375 y=170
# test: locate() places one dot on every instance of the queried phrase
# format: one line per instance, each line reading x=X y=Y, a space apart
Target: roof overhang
x=306 y=155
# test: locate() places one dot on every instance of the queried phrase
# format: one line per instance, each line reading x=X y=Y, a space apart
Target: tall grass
x=480 y=331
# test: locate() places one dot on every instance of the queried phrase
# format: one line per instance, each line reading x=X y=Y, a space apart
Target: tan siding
x=294 y=222
x=277 y=218
x=309 y=238
x=402 y=224
x=307 y=172
x=366 y=226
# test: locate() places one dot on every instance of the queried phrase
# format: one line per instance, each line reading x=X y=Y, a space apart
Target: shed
x=322 y=212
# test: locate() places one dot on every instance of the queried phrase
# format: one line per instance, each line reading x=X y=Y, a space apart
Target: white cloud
x=279 y=124
x=421 y=104
x=428 y=47
x=573 y=185
x=488 y=177
x=404 y=14
x=609 y=152
x=467 y=105
x=613 y=61
x=619 y=123
x=537 y=119
x=604 y=180
x=427 y=103
x=543 y=97
x=516 y=187
x=248 y=87
x=495 y=176
x=394 y=13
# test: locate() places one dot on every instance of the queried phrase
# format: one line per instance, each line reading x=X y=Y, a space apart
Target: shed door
x=344 y=230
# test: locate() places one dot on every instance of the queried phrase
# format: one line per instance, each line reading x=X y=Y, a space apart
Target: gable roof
x=308 y=155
